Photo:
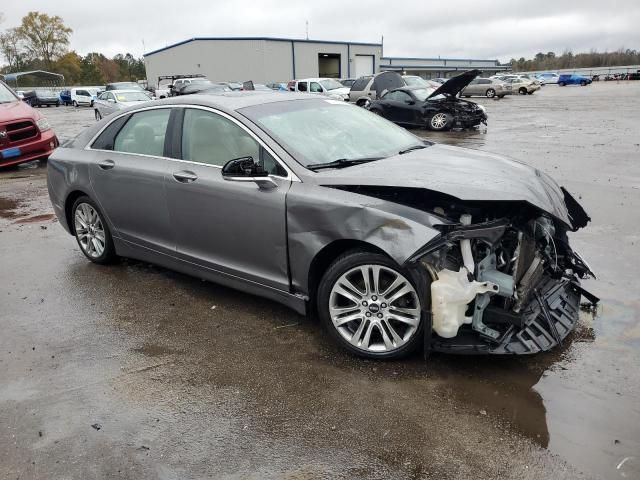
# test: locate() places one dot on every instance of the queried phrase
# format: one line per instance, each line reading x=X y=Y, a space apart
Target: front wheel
x=583 y=83
x=491 y=93
x=370 y=306
x=92 y=232
x=439 y=121
x=75 y=104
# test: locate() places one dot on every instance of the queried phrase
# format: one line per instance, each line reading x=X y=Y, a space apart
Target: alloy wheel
x=89 y=230
x=374 y=308
x=439 y=121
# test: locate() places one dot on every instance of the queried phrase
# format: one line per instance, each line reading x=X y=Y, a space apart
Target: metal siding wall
x=307 y=57
x=224 y=60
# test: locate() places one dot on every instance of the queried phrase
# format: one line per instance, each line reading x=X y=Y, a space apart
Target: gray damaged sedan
x=398 y=243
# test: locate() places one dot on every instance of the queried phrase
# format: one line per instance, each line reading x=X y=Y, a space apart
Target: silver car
x=486 y=87
x=523 y=86
x=115 y=100
x=319 y=204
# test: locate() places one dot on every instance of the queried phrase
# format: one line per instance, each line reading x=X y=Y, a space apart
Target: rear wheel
x=522 y=91
x=491 y=93
x=583 y=83
x=75 y=104
x=91 y=231
x=370 y=307
x=439 y=121
x=562 y=84
x=98 y=115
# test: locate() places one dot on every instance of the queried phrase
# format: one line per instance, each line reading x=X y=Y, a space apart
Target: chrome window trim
x=290 y=173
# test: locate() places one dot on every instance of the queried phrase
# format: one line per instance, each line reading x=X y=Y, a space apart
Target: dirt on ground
x=133 y=371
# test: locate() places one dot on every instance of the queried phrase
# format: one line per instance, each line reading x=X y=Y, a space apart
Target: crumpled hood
x=339 y=91
x=454 y=85
x=459 y=172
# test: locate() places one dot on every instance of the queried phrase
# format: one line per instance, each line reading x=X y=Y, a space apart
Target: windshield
x=6 y=95
x=415 y=81
x=323 y=131
x=126 y=85
x=330 y=84
x=131 y=96
x=422 y=93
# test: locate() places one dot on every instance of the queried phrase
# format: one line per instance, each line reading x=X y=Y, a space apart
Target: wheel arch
x=326 y=256
x=68 y=207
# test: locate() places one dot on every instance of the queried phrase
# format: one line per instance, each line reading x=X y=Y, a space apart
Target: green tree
x=45 y=37
x=69 y=65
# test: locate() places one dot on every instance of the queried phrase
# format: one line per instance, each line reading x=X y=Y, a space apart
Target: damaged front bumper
x=501 y=286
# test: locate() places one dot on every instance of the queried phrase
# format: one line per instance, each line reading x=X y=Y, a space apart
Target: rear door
x=235 y=228
x=128 y=176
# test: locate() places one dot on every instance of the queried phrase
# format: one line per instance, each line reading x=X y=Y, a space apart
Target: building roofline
x=442 y=67
x=442 y=59
x=272 y=39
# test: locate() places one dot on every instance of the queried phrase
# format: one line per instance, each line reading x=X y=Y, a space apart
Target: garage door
x=364 y=65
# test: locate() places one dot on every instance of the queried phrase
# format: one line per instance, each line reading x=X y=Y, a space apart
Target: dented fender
x=318 y=216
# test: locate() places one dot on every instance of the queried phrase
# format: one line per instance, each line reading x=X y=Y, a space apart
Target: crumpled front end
x=501 y=285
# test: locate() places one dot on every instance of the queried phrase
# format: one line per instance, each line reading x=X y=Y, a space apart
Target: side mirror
x=244 y=169
x=111 y=100
x=410 y=102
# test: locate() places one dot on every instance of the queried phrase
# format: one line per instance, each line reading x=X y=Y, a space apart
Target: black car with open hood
x=436 y=109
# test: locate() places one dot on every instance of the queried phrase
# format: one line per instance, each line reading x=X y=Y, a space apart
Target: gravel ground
x=133 y=371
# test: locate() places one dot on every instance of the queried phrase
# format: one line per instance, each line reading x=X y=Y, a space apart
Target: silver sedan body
x=115 y=100
x=265 y=193
x=486 y=87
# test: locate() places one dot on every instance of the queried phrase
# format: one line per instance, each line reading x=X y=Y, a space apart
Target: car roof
x=238 y=100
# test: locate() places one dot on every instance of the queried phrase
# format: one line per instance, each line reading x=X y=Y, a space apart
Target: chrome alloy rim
x=439 y=120
x=374 y=308
x=89 y=230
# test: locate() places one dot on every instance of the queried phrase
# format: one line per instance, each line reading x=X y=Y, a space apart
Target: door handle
x=106 y=164
x=185 y=176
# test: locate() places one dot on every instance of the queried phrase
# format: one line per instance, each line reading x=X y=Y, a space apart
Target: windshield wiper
x=342 y=163
x=411 y=149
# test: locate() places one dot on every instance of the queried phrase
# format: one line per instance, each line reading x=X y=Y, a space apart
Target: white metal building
x=263 y=59
x=439 y=67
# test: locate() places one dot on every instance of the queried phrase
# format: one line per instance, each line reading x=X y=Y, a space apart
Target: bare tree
x=11 y=48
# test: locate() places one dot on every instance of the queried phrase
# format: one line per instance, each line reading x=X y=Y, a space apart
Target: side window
x=484 y=81
x=212 y=139
x=106 y=138
x=144 y=133
x=111 y=97
x=474 y=82
x=392 y=96
x=302 y=86
x=315 y=87
x=402 y=96
x=360 y=84
x=103 y=96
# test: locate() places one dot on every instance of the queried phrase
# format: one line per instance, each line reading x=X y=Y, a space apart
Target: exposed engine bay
x=503 y=286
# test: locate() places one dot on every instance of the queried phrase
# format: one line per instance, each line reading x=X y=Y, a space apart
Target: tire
x=561 y=84
x=439 y=122
x=490 y=93
x=500 y=96
x=529 y=93
x=57 y=104
x=85 y=211
x=369 y=332
x=75 y=104
x=98 y=116
x=522 y=91
x=583 y=83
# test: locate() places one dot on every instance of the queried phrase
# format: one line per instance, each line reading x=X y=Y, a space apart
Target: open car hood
x=467 y=175
x=454 y=85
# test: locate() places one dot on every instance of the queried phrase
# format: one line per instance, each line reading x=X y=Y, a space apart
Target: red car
x=25 y=134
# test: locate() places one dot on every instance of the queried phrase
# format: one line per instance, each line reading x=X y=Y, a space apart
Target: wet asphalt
x=133 y=371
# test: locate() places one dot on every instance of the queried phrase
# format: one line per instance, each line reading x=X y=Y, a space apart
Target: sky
x=491 y=29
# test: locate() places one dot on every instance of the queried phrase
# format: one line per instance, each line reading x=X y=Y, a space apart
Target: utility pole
x=307 y=28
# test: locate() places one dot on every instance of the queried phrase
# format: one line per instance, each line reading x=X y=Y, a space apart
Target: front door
x=235 y=228
x=128 y=174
